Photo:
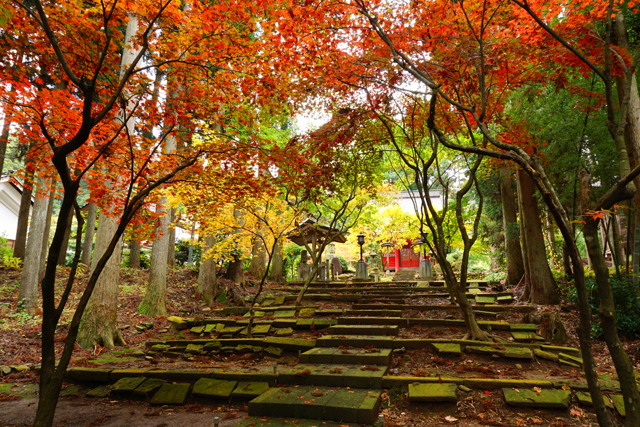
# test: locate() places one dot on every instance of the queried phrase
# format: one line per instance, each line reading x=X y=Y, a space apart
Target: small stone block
x=584 y=397
x=285 y=313
x=148 y=387
x=284 y=332
x=231 y=330
x=193 y=349
x=570 y=358
x=209 y=387
x=197 y=330
x=504 y=299
x=433 y=392
x=160 y=347
x=569 y=363
x=526 y=336
x=545 y=355
x=618 y=403
x=249 y=390
x=255 y=314
x=273 y=351
x=517 y=353
x=212 y=346
x=127 y=384
x=243 y=349
x=447 y=348
x=171 y=394
x=256 y=330
x=485 y=300
x=482 y=349
x=307 y=312
x=209 y=328
x=545 y=399
x=100 y=391
x=344 y=405
x=279 y=301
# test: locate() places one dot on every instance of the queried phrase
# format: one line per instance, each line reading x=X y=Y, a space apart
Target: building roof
x=310 y=227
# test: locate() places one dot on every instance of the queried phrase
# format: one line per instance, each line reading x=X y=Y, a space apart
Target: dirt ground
x=19 y=345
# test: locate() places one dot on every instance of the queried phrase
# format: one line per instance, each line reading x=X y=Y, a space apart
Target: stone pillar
x=361 y=270
x=425 y=269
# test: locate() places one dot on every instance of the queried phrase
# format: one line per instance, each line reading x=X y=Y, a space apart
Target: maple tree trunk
x=513 y=252
x=134 y=250
x=99 y=323
x=207 y=282
x=171 y=249
x=45 y=238
x=62 y=259
x=90 y=229
x=543 y=287
x=28 y=296
x=23 y=219
x=607 y=313
x=277 y=271
x=155 y=299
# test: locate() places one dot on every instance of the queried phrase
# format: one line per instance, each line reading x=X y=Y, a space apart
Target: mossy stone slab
x=375 y=330
x=496 y=325
x=504 y=299
x=355 y=341
x=197 y=330
x=307 y=312
x=574 y=359
x=517 y=353
x=160 y=347
x=211 y=327
x=545 y=355
x=485 y=300
x=179 y=323
x=209 y=387
x=312 y=401
x=232 y=330
x=235 y=311
x=212 y=346
x=249 y=390
x=284 y=332
x=559 y=349
x=273 y=351
x=284 y=313
x=171 y=394
x=100 y=391
x=368 y=376
x=148 y=387
x=256 y=330
x=569 y=363
x=275 y=402
x=447 y=348
x=526 y=336
x=344 y=406
x=481 y=349
x=618 y=403
x=279 y=300
x=255 y=314
x=445 y=392
x=523 y=327
x=194 y=349
x=544 y=399
x=494 y=384
x=127 y=385
x=90 y=374
x=290 y=344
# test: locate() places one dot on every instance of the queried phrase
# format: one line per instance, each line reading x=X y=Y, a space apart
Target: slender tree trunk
x=513 y=253
x=100 y=320
x=607 y=314
x=277 y=272
x=155 y=299
x=566 y=261
x=6 y=128
x=45 y=238
x=90 y=229
x=544 y=289
x=171 y=249
x=258 y=258
x=207 y=281
x=134 y=249
x=551 y=238
x=29 y=279
x=62 y=259
x=235 y=272
x=23 y=219
x=525 y=253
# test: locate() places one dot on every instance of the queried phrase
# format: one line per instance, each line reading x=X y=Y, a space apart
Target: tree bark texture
x=23 y=219
x=277 y=270
x=258 y=258
x=526 y=278
x=31 y=267
x=171 y=251
x=235 y=271
x=207 y=282
x=607 y=314
x=90 y=229
x=62 y=259
x=512 y=250
x=100 y=320
x=155 y=299
x=134 y=249
x=45 y=237
x=543 y=288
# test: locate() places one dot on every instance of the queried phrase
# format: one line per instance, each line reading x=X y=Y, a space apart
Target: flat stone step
x=373 y=321
x=364 y=330
x=446 y=392
x=355 y=341
x=213 y=388
x=347 y=356
x=526 y=336
x=288 y=422
x=171 y=394
x=448 y=349
x=369 y=300
x=374 y=313
x=352 y=406
x=544 y=399
x=335 y=375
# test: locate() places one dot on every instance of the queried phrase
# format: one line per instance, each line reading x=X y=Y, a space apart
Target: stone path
x=339 y=375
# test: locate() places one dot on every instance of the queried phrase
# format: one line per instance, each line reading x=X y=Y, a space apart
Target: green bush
x=626 y=298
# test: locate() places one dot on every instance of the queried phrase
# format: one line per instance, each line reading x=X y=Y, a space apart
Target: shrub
x=626 y=300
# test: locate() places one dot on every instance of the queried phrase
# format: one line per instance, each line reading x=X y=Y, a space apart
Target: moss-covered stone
x=256 y=330
x=127 y=385
x=249 y=390
x=212 y=346
x=209 y=387
x=574 y=359
x=284 y=332
x=447 y=348
x=485 y=299
x=494 y=384
x=160 y=347
x=179 y=323
x=545 y=355
x=516 y=353
x=148 y=387
x=90 y=374
x=524 y=327
x=284 y=313
x=100 y=391
x=235 y=311
x=307 y=312
x=194 y=349
x=171 y=394
x=526 y=336
x=445 y=392
x=273 y=351
x=545 y=399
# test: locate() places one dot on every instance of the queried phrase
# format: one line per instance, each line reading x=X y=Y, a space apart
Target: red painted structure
x=404 y=257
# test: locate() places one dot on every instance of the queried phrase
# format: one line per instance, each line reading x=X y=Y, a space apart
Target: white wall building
x=406 y=203
x=10 y=194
